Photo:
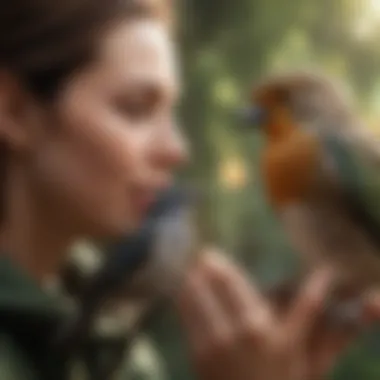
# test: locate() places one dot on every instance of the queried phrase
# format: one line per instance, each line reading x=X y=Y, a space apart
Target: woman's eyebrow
x=152 y=87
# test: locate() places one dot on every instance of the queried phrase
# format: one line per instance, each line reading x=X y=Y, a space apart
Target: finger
x=331 y=340
x=241 y=300
x=327 y=351
x=200 y=312
x=309 y=304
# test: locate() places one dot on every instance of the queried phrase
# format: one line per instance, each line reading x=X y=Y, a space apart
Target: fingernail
x=215 y=258
x=213 y=252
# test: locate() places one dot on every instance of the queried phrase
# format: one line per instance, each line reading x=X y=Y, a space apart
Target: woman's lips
x=143 y=197
x=141 y=203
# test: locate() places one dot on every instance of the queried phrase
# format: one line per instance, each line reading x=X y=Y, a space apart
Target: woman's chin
x=114 y=229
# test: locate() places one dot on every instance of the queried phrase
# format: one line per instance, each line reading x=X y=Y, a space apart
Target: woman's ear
x=15 y=111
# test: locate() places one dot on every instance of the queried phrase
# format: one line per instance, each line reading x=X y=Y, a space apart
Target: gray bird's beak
x=252 y=116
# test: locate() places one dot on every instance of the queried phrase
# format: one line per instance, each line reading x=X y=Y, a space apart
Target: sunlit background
x=226 y=46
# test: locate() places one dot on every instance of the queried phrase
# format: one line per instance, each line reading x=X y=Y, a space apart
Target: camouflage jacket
x=28 y=316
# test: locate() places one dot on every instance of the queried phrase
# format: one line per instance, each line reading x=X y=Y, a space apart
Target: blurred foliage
x=225 y=47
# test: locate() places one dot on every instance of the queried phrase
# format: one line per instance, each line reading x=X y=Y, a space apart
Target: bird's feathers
x=357 y=176
x=339 y=220
x=332 y=209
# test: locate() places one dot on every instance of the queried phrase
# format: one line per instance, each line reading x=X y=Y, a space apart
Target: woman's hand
x=233 y=333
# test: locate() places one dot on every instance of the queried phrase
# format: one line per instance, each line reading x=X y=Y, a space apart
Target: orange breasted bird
x=321 y=170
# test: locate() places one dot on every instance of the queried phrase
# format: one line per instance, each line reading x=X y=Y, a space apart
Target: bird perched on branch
x=321 y=171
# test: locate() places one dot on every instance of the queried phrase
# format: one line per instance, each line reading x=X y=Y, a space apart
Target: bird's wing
x=356 y=168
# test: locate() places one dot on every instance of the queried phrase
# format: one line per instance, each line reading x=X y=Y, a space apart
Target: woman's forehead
x=140 y=52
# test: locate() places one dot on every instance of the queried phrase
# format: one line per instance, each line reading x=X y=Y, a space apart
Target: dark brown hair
x=43 y=42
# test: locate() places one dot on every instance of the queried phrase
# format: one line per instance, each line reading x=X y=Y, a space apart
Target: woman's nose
x=172 y=149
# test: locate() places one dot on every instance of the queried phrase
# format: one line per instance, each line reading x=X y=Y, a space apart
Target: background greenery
x=226 y=45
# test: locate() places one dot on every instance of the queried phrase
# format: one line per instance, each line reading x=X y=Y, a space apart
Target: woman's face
x=116 y=142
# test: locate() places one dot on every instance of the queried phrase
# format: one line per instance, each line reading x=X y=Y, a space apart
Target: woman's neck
x=30 y=234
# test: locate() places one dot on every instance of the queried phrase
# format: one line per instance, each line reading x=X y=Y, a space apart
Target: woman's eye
x=139 y=105
x=135 y=110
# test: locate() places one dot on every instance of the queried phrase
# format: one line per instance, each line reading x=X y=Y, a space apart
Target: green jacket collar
x=19 y=292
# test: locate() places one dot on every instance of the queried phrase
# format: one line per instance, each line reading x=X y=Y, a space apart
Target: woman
x=88 y=137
